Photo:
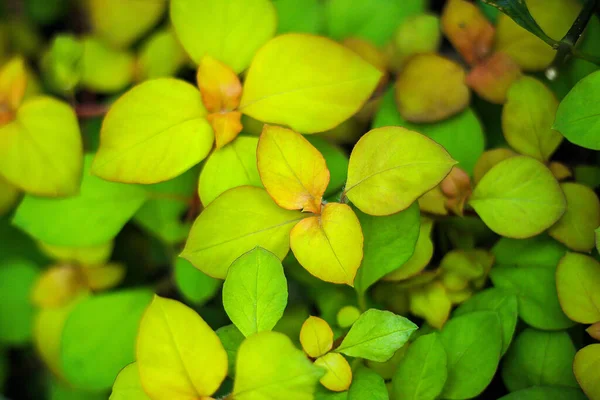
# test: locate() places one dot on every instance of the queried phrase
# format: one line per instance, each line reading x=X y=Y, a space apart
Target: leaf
x=385 y=185
x=500 y=301
x=58 y=286
x=576 y=227
x=109 y=323
x=255 y=291
x=376 y=335
x=330 y=83
x=103 y=277
x=431 y=302
x=231 y=338
x=518 y=198
x=422 y=372
x=336 y=160
x=473 y=343
x=488 y=160
x=586 y=366
x=160 y=55
x=105 y=69
x=420 y=82
x=41 y=151
x=420 y=257
x=219 y=85
x=127 y=386
x=546 y=393
x=293 y=171
x=367 y=384
x=329 y=246
x=59 y=390
x=17 y=278
x=577 y=119
x=316 y=337
x=538 y=251
x=195 y=285
x=9 y=195
x=338 y=375
x=527 y=119
x=13 y=83
x=416 y=34
x=178 y=354
x=492 y=78
x=87 y=255
x=307 y=19
x=577 y=282
x=269 y=366
x=229 y=31
x=236 y=222
x=539 y=359
x=389 y=244
x=153 y=133
x=93 y=217
x=61 y=65
x=230 y=166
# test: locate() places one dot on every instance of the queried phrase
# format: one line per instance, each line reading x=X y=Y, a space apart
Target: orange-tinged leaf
x=491 y=78
x=316 y=337
x=469 y=31
x=13 y=83
x=226 y=126
x=219 y=84
x=57 y=286
x=292 y=170
x=559 y=170
x=433 y=202
x=457 y=188
x=329 y=246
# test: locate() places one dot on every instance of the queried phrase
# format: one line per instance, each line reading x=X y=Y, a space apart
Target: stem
x=91 y=110
x=362 y=301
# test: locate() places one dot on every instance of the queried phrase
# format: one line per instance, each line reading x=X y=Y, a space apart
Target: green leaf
x=61 y=66
x=109 y=323
x=153 y=133
x=195 y=285
x=127 y=386
x=588 y=175
x=336 y=160
x=376 y=335
x=17 y=277
x=502 y=302
x=310 y=18
x=420 y=257
x=539 y=359
x=545 y=393
x=230 y=31
x=62 y=391
x=519 y=198
x=577 y=117
x=255 y=291
x=462 y=135
x=367 y=384
x=161 y=55
x=388 y=243
x=269 y=366
x=422 y=372
x=105 y=69
x=235 y=223
x=16 y=244
x=473 y=343
x=586 y=366
x=577 y=283
x=92 y=217
x=538 y=251
x=231 y=338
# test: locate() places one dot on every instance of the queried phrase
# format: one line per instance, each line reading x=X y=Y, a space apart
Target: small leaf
x=127 y=386
x=160 y=55
x=492 y=78
x=85 y=255
x=226 y=126
x=586 y=366
x=13 y=84
x=422 y=372
x=293 y=171
x=518 y=198
x=431 y=302
x=417 y=34
x=331 y=83
x=255 y=291
x=178 y=354
x=236 y=222
x=347 y=316
x=219 y=85
x=385 y=185
x=229 y=31
x=58 y=286
x=195 y=285
x=316 y=337
x=162 y=118
x=329 y=246
x=488 y=160
x=338 y=375
x=103 y=277
x=577 y=283
x=269 y=366
x=420 y=257
x=367 y=384
x=376 y=335
x=105 y=69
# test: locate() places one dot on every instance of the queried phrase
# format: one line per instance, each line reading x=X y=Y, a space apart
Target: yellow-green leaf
x=316 y=337
x=519 y=198
x=161 y=55
x=293 y=171
x=338 y=375
x=586 y=367
x=9 y=194
x=234 y=223
x=153 y=133
x=13 y=84
x=86 y=255
x=577 y=283
x=229 y=30
x=104 y=69
x=228 y=167
x=575 y=228
x=329 y=246
x=178 y=354
x=41 y=151
x=391 y=167
x=488 y=159
x=309 y=83
x=270 y=367
x=127 y=386
x=527 y=119
x=421 y=256
x=431 y=302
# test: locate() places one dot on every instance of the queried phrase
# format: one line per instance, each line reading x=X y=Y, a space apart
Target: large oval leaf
x=577 y=283
x=391 y=167
x=309 y=83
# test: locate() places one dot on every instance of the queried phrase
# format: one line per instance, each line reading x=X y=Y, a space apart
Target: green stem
x=362 y=301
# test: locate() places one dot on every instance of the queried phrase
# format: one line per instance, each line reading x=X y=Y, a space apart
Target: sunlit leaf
x=586 y=366
x=316 y=337
x=577 y=280
x=338 y=375
x=104 y=69
x=420 y=257
x=127 y=386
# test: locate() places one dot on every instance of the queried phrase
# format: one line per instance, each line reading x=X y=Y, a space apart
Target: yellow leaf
x=420 y=258
x=586 y=366
x=432 y=303
x=230 y=31
x=226 y=126
x=13 y=83
x=433 y=202
x=577 y=283
x=316 y=337
x=9 y=194
x=420 y=83
x=293 y=171
x=492 y=78
x=309 y=83
x=233 y=224
x=178 y=354
x=58 y=286
x=220 y=86
x=559 y=170
x=391 y=167
x=86 y=255
x=153 y=133
x=103 y=277
x=488 y=159
x=338 y=375
x=329 y=246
